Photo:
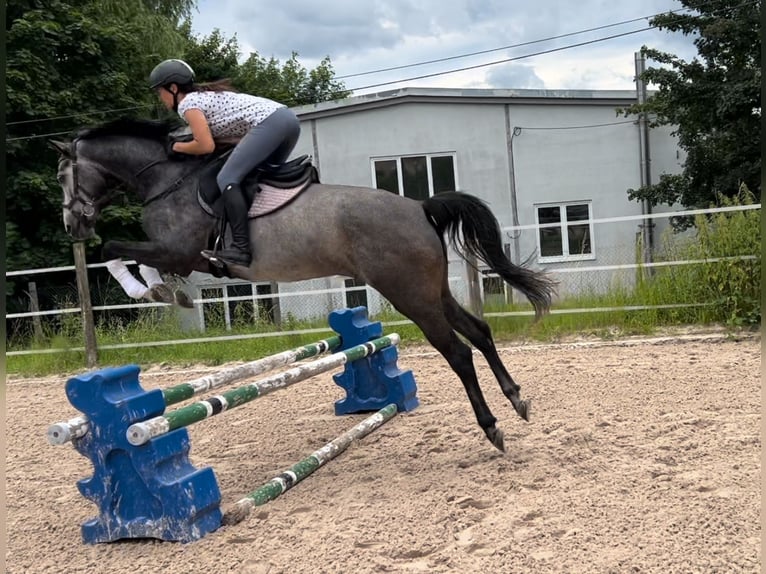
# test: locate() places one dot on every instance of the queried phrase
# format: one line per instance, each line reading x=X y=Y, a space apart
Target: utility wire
x=748 y=2
x=448 y=58
x=453 y=71
x=744 y=4
x=468 y=55
x=439 y=73
x=520 y=128
x=38 y=136
x=77 y=115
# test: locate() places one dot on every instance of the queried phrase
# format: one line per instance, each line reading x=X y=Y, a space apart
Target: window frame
x=429 y=170
x=563 y=225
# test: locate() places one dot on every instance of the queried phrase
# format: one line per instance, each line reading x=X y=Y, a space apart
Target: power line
x=38 y=136
x=440 y=73
x=78 y=115
x=468 y=55
x=675 y=12
x=453 y=71
x=448 y=58
x=520 y=128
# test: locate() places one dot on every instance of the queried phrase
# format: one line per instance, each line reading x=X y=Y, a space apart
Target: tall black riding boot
x=236 y=212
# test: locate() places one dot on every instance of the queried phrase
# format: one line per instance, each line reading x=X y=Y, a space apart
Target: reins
x=181 y=180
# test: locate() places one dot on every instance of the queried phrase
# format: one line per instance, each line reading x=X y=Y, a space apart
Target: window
x=565 y=232
x=356 y=294
x=416 y=176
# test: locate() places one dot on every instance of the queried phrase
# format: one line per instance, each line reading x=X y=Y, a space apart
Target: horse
x=395 y=244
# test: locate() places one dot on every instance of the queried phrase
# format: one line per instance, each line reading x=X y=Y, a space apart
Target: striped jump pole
x=63 y=432
x=142 y=432
x=300 y=470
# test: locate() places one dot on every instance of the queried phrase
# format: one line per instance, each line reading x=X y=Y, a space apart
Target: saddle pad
x=270 y=198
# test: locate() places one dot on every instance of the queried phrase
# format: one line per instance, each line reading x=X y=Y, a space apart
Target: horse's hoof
x=160 y=293
x=495 y=436
x=182 y=299
x=525 y=409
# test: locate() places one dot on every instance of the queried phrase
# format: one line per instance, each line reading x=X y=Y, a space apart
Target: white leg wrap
x=150 y=275
x=132 y=286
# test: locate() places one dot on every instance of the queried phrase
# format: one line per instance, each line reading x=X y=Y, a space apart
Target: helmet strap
x=175 y=97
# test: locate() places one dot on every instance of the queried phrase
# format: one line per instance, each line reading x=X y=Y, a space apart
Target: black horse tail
x=455 y=213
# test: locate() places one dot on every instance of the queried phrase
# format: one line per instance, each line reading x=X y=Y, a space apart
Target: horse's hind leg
x=432 y=321
x=480 y=336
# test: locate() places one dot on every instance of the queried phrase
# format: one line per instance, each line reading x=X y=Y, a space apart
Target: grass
x=157 y=326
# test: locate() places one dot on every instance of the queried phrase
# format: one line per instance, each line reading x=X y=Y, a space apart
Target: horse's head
x=86 y=187
x=100 y=159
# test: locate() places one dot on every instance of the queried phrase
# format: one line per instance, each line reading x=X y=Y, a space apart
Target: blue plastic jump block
x=373 y=382
x=150 y=491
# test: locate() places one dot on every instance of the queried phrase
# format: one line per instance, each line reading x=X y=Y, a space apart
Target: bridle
x=79 y=195
x=88 y=205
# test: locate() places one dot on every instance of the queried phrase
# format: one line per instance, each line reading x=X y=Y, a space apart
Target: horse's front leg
x=156 y=255
x=151 y=258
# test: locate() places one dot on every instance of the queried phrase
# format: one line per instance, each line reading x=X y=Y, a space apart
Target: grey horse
x=394 y=244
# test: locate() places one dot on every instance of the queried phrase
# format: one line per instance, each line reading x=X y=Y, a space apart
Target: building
x=559 y=158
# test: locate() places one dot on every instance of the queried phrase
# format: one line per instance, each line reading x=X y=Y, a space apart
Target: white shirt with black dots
x=229 y=114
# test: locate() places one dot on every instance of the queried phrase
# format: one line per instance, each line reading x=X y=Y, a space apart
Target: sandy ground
x=640 y=457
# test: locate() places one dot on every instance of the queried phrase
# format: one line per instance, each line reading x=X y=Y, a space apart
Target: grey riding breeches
x=273 y=140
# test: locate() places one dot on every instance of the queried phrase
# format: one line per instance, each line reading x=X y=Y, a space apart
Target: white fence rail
x=460 y=282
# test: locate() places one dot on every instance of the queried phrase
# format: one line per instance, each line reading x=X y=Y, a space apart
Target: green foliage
x=714 y=102
x=728 y=281
x=215 y=57
x=68 y=62
x=211 y=57
x=74 y=63
x=290 y=84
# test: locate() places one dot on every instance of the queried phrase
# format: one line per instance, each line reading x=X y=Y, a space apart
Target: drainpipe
x=647 y=227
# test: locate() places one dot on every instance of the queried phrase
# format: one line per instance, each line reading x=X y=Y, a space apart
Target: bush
x=730 y=279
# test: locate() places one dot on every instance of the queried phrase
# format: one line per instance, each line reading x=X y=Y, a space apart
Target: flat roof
x=465 y=96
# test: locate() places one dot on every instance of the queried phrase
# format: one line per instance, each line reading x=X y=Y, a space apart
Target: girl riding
x=266 y=131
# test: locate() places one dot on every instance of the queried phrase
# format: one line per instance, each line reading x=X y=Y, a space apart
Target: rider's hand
x=172 y=153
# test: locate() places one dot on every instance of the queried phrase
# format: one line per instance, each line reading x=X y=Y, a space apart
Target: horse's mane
x=131 y=127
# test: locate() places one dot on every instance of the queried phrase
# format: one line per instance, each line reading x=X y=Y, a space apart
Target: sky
x=366 y=35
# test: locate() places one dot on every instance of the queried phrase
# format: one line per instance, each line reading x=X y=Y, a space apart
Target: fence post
x=83 y=289
x=474 y=290
x=34 y=306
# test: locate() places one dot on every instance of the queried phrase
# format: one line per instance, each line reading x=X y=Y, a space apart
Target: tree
x=215 y=57
x=72 y=63
x=290 y=84
x=75 y=63
x=70 y=60
x=211 y=57
x=713 y=102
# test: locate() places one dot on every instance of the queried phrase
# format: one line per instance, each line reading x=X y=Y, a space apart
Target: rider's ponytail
x=223 y=85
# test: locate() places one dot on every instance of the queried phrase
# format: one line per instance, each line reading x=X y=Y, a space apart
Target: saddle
x=267 y=188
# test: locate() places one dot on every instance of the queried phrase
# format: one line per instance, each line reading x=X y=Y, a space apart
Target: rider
x=266 y=131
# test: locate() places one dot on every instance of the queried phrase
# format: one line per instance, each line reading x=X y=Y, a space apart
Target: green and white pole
x=300 y=470
x=142 y=432
x=63 y=432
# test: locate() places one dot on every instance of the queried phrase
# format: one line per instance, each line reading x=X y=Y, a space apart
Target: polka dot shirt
x=229 y=113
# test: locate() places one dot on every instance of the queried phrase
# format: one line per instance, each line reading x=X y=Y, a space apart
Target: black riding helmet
x=171 y=72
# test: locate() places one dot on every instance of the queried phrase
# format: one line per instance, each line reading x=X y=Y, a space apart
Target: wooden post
x=34 y=307
x=83 y=289
x=474 y=289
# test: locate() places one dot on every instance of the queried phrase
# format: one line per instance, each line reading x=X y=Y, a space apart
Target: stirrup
x=221 y=259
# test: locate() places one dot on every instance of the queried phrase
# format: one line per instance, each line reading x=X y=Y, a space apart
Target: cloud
x=514 y=76
x=365 y=36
